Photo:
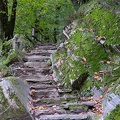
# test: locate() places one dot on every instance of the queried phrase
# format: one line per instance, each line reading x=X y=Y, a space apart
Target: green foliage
x=97 y=20
x=105 y=24
x=44 y=15
x=10 y=55
x=115 y=114
x=13 y=56
x=103 y=18
x=3 y=100
x=5 y=71
x=6 y=46
x=89 y=48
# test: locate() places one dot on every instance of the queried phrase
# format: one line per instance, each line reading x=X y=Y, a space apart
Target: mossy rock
x=115 y=114
x=13 y=56
x=15 y=110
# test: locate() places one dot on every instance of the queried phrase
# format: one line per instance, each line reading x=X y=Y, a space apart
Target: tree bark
x=3 y=16
x=7 y=26
x=1 y=31
x=77 y=3
x=1 y=19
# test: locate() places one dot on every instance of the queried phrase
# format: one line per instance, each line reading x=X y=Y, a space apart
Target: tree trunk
x=1 y=31
x=1 y=16
x=55 y=35
x=77 y=3
x=7 y=25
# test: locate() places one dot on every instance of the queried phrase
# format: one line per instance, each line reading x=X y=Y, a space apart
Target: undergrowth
x=100 y=19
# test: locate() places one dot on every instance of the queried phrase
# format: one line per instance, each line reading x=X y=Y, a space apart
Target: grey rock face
x=17 y=42
x=10 y=106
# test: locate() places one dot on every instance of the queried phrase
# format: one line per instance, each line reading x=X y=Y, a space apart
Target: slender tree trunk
x=1 y=20
x=7 y=25
x=1 y=31
x=55 y=35
x=77 y=3
x=3 y=16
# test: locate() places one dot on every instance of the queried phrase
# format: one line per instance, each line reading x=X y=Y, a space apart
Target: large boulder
x=10 y=106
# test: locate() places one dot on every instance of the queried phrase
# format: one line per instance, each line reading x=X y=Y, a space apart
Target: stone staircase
x=43 y=98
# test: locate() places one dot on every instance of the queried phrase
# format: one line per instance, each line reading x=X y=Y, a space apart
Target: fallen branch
x=66 y=34
x=5 y=110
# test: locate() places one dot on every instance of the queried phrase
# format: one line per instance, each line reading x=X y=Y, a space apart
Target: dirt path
x=46 y=100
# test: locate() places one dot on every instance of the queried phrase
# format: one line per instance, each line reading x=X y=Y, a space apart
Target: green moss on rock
x=115 y=114
x=7 y=111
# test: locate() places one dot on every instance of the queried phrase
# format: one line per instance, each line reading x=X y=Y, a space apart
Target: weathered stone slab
x=49 y=111
x=47 y=93
x=47 y=47
x=45 y=81
x=87 y=103
x=37 y=64
x=39 y=53
x=42 y=86
x=35 y=78
x=64 y=116
x=49 y=51
x=43 y=101
x=17 y=65
x=31 y=71
x=37 y=58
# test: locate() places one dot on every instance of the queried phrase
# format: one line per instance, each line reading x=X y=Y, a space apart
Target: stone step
x=35 y=78
x=36 y=58
x=59 y=100
x=33 y=81
x=42 y=86
x=58 y=116
x=49 y=111
x=44 y=71
x=46 y=93
x=17 y=65
x=47 y=47
x=46 y=101
x=40 y=50
x=72 y=108
x=38 y=53
x=47 y=44
x=37 y=64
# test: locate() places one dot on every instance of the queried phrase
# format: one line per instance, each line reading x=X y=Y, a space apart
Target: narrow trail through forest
x=46 y=99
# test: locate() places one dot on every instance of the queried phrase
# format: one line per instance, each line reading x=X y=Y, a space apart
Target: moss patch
x=7 y=111
x=114 y=115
